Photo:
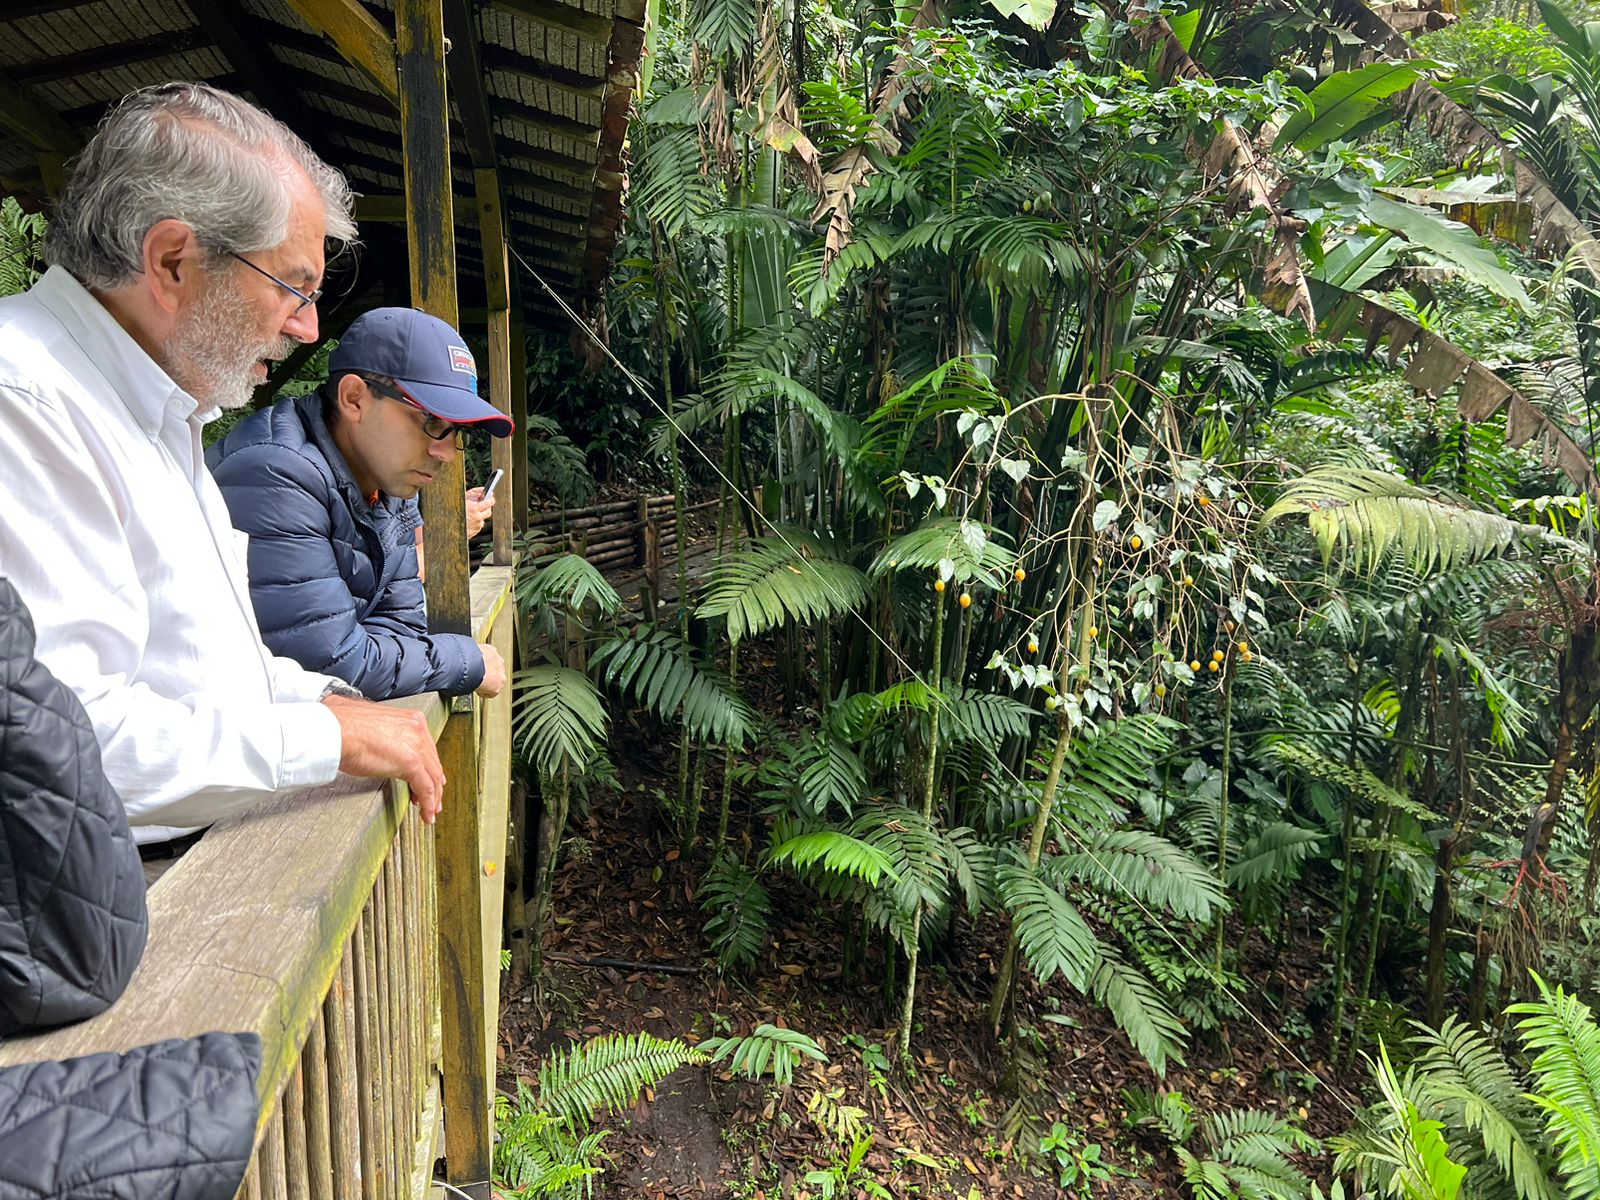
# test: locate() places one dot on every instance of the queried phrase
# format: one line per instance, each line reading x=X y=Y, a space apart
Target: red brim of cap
x=460 y=407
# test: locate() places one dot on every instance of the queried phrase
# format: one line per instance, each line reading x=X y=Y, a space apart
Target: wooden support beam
x=467 y=82
x=25 y=114
x=19 y=9
x=465 y=1008
x=497 y=288
x=110 y=57
x=360 y=40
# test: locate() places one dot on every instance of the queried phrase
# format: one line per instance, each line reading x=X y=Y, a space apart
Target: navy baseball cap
x=427 y=358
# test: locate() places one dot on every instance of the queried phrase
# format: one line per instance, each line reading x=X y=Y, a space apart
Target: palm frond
x=772 y=583
x=1147 y=867
x=767 y=1050
x=567 y=580
x=836 y=852
x=740 y=911
x=1052 y=934
x=655 y=667
x=1366 y=514
x=558 y=720
x=1141 y=1012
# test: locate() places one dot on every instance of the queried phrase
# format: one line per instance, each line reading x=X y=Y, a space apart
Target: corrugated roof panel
x=531 y=135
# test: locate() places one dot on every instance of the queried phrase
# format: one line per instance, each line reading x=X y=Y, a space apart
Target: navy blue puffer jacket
x=333 y=578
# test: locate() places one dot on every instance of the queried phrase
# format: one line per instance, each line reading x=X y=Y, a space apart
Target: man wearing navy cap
x=325 y=486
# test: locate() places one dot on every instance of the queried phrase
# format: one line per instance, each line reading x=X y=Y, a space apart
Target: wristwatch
x=337 y=687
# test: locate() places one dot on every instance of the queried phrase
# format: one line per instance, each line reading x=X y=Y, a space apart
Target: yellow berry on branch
x=1244 y=647
x=1094 y=631
x=1136 y=541
x=1188 y=581
x=966 y=600
x=1195 y=665
x=938 y=585
x=1161 y=691
x=1204 y=500
x=1033 y=646
x=1019 y=574
x=1216 y=656
x=1214 y=665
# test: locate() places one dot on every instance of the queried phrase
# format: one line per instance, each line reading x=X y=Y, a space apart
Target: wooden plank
x=360 y=40
x=294 y=1137
x=467 y=81
x=385 y=1000
x=371 y=1057
x=497 y=287
x=494 y=774
x=555 y=15
x=344 y=1113
x=110 y=56
x=274 y=1181
x=24 y=113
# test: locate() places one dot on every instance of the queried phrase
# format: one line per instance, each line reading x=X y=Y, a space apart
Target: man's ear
x=354 y=399
x=173 y=260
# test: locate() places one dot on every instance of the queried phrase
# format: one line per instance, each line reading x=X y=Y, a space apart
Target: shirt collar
x=148 y=391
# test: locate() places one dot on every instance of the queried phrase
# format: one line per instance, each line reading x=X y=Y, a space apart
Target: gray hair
x=194 y=153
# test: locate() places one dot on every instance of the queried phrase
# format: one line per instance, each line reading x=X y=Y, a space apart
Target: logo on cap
x=461 y=360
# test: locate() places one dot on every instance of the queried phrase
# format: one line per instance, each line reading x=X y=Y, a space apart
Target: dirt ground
x=624 y=893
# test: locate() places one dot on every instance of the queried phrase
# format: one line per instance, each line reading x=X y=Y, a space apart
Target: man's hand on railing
x=494 y=672
x=381 y=742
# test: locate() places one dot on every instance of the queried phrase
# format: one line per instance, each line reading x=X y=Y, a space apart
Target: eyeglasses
x=437 y=428
x=306 y=298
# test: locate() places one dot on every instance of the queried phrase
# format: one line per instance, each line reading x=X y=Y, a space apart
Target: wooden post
x=497 y=282
x=430 y=223
x=519 y=414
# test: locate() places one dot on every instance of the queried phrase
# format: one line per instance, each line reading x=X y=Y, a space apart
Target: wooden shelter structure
x=470 y=129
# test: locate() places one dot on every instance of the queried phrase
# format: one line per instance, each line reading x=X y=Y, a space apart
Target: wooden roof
x=539 y=89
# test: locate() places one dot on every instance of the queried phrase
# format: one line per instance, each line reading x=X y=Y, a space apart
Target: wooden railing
x=315 y=922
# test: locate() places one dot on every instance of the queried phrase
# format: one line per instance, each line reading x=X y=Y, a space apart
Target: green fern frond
x=1141 y=864
x=1275 y=852
x=1108 y=766
x=834 y=851
x=768 y=1050
x=970 y=548
x=1141 y=1012
x=568 y=580
x=607 y=1073
x=558 y=720
x=914 y=850
x=1561 y=1028
x=985 y=717
x=654 y=666
x=770 y=584
x=740 y=912
x=1053 y=936
x=1366 y=514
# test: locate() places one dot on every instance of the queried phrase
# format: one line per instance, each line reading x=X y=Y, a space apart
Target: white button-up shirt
x=119 y=542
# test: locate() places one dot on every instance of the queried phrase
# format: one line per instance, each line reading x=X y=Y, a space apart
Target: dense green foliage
x=1118 y=596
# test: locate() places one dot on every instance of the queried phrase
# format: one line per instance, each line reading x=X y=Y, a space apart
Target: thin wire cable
x=1334 y=1089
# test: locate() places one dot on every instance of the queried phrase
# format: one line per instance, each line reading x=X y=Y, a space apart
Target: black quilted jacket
x=173 y=1120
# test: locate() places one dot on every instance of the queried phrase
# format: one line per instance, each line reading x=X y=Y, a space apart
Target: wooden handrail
x=251 y=929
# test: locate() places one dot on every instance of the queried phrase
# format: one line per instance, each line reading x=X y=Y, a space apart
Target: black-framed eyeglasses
x=307 y=299
x=436 y=427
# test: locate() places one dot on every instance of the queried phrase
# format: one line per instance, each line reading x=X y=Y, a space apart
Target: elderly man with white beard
x=186 y=255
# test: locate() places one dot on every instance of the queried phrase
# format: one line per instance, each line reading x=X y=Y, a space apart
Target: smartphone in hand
x=494 y=482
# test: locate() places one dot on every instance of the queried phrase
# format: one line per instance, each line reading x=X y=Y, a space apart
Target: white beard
x=212 y=351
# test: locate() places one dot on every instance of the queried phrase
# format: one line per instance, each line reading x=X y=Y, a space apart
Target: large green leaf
x=1341 y=102
x=1034 y=13
x=1449 y=240
x=1052 y=934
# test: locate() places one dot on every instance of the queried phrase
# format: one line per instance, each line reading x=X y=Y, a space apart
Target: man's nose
x=302 y=324
x=444 y=449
